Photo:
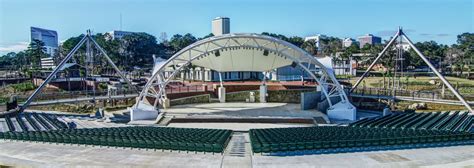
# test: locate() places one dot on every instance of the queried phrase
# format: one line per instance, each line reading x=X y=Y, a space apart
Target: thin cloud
x=437 y=35
x=13 y=47
x=443 y=35
x=388 y=33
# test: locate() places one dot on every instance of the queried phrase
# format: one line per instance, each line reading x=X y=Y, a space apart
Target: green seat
x=256 y=147
x=208 y=148
x=174 y=145
x=217 y=148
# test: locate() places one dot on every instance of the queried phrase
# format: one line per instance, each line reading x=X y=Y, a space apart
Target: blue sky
x=423 y=20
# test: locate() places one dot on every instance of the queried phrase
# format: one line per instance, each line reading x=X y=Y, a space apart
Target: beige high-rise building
x=220 y=26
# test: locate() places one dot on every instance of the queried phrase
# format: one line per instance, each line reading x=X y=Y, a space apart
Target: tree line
x=136 y=50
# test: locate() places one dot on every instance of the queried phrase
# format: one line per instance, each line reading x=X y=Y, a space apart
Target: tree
x=310 y=47
x=295 y=40
x=466 y=56
x=207 y=36
x=7 y=60
x=70 y=43
x=138 y=49
x=36 y=51
x=349 y=51
x=330 y=45
x=178 y=41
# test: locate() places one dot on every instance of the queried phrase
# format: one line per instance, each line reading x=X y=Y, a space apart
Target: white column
x=263 y=89
x=263 y=93
x=221 y=90
x=165 y=103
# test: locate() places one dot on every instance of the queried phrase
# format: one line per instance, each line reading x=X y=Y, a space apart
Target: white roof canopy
x=242 y=52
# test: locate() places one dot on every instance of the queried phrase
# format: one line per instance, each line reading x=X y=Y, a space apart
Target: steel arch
x=330 y=87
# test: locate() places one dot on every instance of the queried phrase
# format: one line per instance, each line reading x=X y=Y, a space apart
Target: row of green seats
x=339 y=137
x=428 y=120
x=165 y=138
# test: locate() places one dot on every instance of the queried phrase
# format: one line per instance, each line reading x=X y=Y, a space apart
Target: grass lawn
x=432 y=107
x=465 y=86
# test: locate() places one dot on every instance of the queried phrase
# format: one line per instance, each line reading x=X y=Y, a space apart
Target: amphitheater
x=315 y=126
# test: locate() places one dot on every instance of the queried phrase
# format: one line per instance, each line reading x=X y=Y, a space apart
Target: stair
x=214 y=100
x=238 y=152
x=165 y=120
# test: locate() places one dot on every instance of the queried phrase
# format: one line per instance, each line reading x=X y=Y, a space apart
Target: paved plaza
x=237 y=154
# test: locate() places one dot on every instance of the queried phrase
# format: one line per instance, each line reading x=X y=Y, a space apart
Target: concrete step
x=238 y=153
x=165 y=120
x=214 y=100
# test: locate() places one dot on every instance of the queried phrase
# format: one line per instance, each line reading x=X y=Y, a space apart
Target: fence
x=433 y=95
x=184 y=89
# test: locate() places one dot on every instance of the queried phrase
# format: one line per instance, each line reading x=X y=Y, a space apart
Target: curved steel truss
x=276 y=52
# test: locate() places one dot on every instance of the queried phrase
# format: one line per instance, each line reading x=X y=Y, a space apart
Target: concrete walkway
x=28 y=154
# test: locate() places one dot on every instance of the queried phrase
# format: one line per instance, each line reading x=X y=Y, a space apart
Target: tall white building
x=117 y=34
x=220 y=26
x=48 y=37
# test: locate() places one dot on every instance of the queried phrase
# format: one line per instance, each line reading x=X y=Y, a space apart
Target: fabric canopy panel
x=242 y=59
x=250 y=52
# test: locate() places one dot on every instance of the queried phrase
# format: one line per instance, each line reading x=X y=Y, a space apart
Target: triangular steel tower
x=400 y=34
x=88 y=39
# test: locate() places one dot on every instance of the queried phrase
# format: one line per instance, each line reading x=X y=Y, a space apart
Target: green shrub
x=22 y=87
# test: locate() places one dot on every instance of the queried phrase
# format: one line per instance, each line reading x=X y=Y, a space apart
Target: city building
x=343 y=66
x=47 y=63
x=316 y=38
x=369 y=39
x=220 y=26
x=290 y=73
x=48 y=37
x=404 y=45
x=117 y=34
x=347 y=42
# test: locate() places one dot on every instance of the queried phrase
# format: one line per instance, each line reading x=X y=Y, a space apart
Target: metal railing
x=184 y=89
x=383 y=93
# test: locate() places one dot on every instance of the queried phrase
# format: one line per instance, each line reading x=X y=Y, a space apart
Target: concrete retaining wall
x=324 y=105
x=284 y=96
x=241 y=96
x=309 y=100
x=191 y=100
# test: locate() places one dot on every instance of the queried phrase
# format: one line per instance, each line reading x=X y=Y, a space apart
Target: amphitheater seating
x=165 y=138
x=36 y=121
x=10 y=125
x=52 y=119
x=32 y=122
x=341 y=138
x=21 y=123
x=466 y=126
x=41 y=121
x=451 y=121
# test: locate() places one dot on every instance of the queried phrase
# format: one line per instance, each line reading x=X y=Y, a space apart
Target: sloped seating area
x=165 y=138
x=343 y=139
x=451 y=121
x=33 y=122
